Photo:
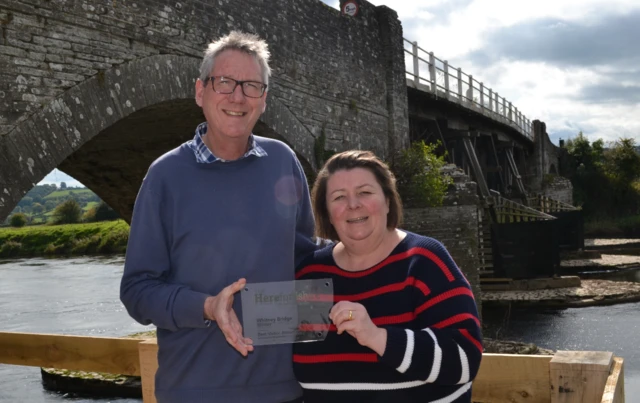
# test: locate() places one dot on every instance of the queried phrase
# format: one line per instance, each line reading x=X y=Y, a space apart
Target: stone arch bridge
x=100 y=88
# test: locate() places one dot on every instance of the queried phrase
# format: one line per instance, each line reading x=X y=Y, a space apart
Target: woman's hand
x=354 y=319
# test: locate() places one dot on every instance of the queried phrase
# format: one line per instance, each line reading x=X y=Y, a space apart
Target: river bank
x=598 y=276
x=100 y=238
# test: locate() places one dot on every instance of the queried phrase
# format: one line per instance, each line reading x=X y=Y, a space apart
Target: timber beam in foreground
x=566 y=377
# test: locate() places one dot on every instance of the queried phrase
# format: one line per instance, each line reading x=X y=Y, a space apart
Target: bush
x=105 y=213
x=417 y=171
x=18 y=220
x=10 y=249
x=89 y=215
x=68 y=212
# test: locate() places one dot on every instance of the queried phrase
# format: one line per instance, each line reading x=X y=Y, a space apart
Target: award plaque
x=287 y=311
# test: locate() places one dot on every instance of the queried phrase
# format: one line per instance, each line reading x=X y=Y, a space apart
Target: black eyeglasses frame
x=263 y=86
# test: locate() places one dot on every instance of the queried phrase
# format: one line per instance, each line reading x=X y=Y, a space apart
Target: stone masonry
x=455 y=224
x=100 y=88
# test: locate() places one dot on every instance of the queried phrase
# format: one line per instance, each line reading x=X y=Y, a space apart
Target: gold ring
x=350 y=314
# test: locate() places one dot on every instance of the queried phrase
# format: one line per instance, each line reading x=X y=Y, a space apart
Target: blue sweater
x=433 y=349
x=197 y=228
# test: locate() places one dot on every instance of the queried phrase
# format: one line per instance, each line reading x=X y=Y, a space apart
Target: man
x=225 y=208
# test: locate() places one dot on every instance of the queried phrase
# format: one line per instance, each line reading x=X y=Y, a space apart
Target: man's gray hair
x=244 y=42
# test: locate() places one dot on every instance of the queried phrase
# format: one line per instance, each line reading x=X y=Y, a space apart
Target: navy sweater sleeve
x=447 y=350
x=144 y=289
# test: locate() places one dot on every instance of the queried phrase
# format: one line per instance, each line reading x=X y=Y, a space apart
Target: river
x=63 y=296
x=80 y=296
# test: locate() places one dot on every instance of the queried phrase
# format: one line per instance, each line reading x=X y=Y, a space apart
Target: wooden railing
x=566 y=377
x=428 y=73
x=548 y=205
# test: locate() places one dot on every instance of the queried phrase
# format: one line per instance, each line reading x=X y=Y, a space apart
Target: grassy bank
x=63 y=240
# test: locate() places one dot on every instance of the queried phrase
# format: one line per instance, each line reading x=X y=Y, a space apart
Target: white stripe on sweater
x=437 y=357
x=408 y=352
x=384 y=386
x=455 y=395
x=464 y=361
x=362 y=386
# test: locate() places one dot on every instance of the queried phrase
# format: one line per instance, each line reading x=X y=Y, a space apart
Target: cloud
x=611 y=93
x=611 y=39
x=574 y=64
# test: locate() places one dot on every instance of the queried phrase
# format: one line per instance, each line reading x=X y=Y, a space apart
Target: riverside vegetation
x=606 y=184
x=105 y=237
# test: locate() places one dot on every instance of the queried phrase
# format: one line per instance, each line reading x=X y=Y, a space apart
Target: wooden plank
x=579 y=376
x=512 y=378
x=148 y=367
x=78 y=353
x=614 y=389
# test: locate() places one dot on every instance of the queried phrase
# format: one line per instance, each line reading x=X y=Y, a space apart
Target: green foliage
x=89 y=215
x=604 y=179
x=68 y=212
x=18 y=220
x=100 y=212
x=38 y=204
x=72 y=239
x=105 y=213
x=622 y=163
x=417 y=170
x=10 y=249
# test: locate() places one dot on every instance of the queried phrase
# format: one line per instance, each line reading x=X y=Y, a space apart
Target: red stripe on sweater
x=386 y=289
x=394 y=319
x=323 y=268
x=322 y=358
x=382 y=320
x=456 y=319
x=472 y=339
x=444 y=296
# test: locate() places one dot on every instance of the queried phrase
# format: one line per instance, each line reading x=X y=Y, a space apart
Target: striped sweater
x=434 y=340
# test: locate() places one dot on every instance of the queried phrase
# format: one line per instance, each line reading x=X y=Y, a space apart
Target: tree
x=63 y=185
x=68 y=212
x=25 y=201
x=18 y=220
x=37 y=208
x=622 y=162
x=105 y=213
x=419 y=180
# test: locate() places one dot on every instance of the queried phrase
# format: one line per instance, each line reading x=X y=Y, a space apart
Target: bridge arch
x=107 y=130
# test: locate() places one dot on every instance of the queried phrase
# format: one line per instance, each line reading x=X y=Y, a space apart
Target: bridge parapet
x=426 y=72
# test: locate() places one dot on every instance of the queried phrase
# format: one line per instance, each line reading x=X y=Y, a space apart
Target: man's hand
x=219 y=308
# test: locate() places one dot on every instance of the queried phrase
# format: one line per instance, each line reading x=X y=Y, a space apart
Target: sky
x=573 y=64
x=56 y=176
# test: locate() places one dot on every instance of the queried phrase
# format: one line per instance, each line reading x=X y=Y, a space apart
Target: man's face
x=231 y=116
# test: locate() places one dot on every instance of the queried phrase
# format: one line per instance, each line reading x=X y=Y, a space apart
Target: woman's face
x=356 y=204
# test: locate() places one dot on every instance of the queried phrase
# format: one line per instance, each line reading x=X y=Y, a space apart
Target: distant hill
x=70 y=193
x=38 y=204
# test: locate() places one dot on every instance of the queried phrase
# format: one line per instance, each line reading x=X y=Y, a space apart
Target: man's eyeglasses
x=226 y=85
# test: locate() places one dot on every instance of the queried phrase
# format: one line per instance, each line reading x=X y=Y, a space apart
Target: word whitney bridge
x=100 y=88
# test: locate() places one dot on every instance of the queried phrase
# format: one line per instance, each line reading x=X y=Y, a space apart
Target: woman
x=405 y=324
